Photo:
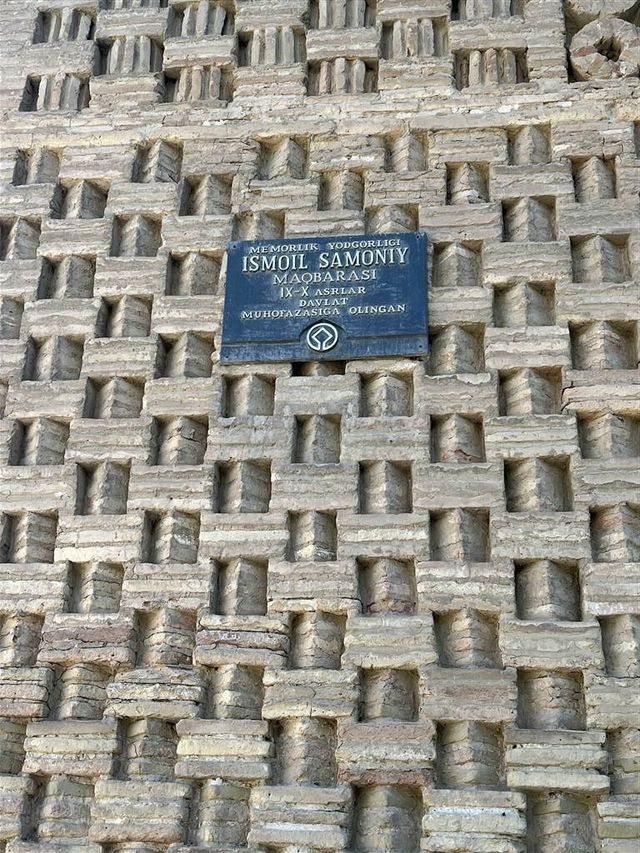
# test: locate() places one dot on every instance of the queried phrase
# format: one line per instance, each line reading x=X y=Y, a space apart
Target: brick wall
x=374 y=606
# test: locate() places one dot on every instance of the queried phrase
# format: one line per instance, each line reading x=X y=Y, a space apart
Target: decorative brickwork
x=378 y=606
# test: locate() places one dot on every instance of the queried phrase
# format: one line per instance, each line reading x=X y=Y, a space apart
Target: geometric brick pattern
x=381 y=605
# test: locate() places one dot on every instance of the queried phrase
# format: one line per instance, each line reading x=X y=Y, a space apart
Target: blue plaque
x=334 y=298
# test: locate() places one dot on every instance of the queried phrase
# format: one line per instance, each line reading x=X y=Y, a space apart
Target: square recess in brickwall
x=326 y=298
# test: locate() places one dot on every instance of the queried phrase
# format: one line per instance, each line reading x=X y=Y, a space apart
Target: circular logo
x=322 y=337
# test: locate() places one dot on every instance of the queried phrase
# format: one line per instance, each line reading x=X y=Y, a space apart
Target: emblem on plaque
x=322 y=337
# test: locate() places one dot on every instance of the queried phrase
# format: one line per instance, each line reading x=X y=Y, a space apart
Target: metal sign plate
x=326 y=298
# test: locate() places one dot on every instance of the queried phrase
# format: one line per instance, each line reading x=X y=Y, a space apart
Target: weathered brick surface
x=387 y=605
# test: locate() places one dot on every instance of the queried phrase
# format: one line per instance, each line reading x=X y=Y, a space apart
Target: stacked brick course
x=374 y=606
